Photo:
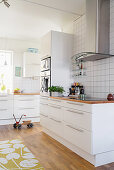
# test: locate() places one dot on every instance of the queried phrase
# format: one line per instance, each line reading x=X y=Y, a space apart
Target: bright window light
x=6 y=71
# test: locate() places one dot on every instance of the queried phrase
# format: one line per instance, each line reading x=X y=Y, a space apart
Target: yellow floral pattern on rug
x=15 y=155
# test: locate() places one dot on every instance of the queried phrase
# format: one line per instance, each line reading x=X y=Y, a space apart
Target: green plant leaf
x=56 y=89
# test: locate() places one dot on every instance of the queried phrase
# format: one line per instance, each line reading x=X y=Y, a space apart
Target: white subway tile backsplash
x=112 y=83
x=100 y=74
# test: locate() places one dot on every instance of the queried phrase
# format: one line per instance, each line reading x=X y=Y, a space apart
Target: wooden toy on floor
x=18 y=125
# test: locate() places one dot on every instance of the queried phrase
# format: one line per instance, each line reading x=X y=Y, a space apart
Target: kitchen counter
x=85 y=127
x=83 y=101
x=26 y=93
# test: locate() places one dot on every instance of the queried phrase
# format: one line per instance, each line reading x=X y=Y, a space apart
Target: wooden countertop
x=83 y=101
x=26 y=93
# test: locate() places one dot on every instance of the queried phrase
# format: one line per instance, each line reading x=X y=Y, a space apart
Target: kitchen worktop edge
x=82 y=101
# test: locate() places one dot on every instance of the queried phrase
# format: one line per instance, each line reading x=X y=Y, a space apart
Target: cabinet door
x=26 y=104
x=31 y=58
x=46 y=45
x=80 y=118
x=31 y=70
x=56 y=126
x=6 y=108
x=78 y=106
x=78 y=137
x=44 y=121
x=31 y=65
x=22 y=103
x=55 y=112
x=44 y=108
x=6 y=114
x=29 y=112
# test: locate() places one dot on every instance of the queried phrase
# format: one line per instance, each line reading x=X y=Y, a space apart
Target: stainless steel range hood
x=97 y=31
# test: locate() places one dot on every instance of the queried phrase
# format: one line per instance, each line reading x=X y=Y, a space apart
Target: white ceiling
x=30 y=19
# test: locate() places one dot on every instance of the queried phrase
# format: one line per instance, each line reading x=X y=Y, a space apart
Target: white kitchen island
x=85 y=127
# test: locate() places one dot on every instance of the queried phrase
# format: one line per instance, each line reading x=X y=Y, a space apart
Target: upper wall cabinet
x=46 y=45
x=31 y=64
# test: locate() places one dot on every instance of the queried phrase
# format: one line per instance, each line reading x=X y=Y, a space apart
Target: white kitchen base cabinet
x=86 y=129
x=6 y=109
x=18 y=105
x=27 y=105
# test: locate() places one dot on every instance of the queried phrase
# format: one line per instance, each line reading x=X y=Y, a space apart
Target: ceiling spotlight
x=5 y=3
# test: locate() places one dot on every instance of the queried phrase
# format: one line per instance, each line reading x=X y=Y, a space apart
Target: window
x=6 y=71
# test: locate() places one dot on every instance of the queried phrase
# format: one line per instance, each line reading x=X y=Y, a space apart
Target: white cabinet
x=44 y=121
x=55 y=112
x=6 y=109
x=78 y=118
x=78 y=137
x=46 y=45
x=87 y=129
x=31 y=64
x=59 y=46
x=56 y=126
x=78 y=106
x=18 y=105
x=27 y=105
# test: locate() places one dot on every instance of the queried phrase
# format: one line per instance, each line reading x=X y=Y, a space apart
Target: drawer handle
x=58 y=121
x=55 y=100
x=57 y=107
x=43 y=115
x=25 y=108
x=44 y=97
x=3 y=100
x=44 y=104
x=3 y=109
x=78 y=104
x=80 y=113
x=26 y=100
x=79 y=130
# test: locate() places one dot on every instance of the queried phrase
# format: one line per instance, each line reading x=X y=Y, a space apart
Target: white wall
x=99 y=79
x=19 y=47
x=68 y=28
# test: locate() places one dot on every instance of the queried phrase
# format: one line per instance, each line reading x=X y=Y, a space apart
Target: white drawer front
x=6 y=113
x=44 y=108
x=29 y=112
x=44 y=100
x=25 y=103
x=78 y=106
x=55 y=101
x=24 y=97
x=6 y=97
x=6 y=104
x=55 y=111
x=56 y=126
x=78 y=137
x=44 y=121
x=79 y=118
x=6 y=122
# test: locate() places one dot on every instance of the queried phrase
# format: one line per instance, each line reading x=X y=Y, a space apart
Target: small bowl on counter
x=110 y=97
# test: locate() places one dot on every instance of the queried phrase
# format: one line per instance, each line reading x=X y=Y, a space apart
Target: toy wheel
x=15 y=125
x=19 y=126
x=30 y=125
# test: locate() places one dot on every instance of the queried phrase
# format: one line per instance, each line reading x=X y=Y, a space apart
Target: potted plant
x=56 y=91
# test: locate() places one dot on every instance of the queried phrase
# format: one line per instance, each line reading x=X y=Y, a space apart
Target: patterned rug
x=15 y=155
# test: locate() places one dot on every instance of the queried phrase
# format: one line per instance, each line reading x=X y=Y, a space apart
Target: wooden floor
x=51 y=154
